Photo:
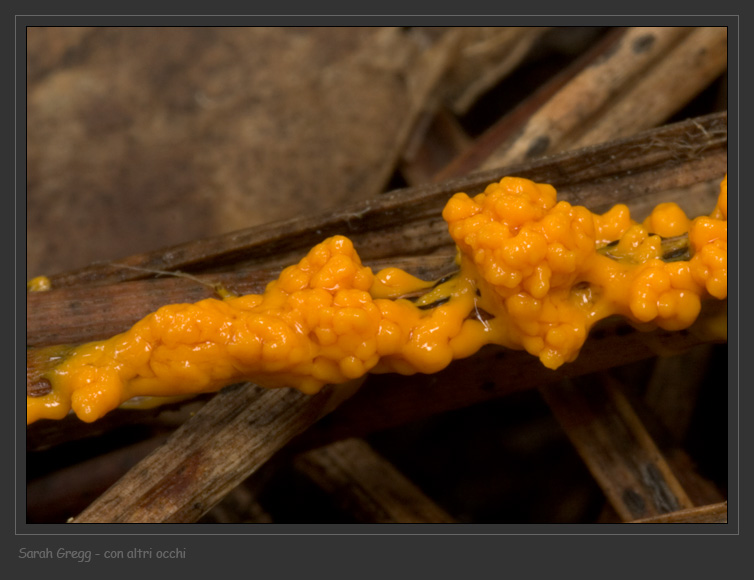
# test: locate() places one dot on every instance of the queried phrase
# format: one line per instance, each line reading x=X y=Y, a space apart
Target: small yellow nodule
x=39 y=284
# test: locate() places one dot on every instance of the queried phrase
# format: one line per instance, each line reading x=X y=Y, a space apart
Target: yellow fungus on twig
x=534 y=274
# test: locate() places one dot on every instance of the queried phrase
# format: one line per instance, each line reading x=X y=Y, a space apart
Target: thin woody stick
x=716 y=513
x=209 y=455
x=617 y=449
x=627 y=86
x=685 y=71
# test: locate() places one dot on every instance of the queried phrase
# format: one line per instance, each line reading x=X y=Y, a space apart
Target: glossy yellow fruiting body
x=540 y=270
x=535 y=274
x=39 y=284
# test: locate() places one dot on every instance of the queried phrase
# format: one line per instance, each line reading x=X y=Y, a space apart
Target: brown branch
x=650 y=75
x=709 y=514
x=85 y=313
x=684 y=71
x=209 y=455
x=617 y=449
x=510 y=127
x=408 y=222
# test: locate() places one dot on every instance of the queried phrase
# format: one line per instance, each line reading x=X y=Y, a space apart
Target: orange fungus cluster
x=535 y=274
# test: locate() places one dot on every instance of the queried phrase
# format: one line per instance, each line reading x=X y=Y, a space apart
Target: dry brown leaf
x=141 y=138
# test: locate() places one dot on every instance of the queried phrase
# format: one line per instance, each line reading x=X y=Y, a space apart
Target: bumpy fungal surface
x=549 y=270
x=535 y=274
